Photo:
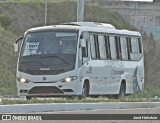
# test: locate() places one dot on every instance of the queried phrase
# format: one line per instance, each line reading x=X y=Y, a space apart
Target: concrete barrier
x=30 y=108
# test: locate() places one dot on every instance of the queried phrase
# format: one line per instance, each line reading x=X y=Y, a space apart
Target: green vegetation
x=32 y=1
x=18 y=15
x=34 y=100
x=5 y=21
x=95 y=13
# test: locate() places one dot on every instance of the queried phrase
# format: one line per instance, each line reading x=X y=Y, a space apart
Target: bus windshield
x=49 y=43
x=54 y=51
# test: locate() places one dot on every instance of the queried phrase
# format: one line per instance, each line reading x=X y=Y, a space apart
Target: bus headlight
x=23 y=80
x=69 y=79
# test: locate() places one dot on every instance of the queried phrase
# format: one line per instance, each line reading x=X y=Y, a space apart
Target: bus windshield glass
x=49 y=43
x=54 y=51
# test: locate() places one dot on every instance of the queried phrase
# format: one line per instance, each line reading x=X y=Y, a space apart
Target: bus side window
x=135 y=45
x=140 y=45
x=102 y=48
x=83 y=54
x=85 y=50
x=118 y=48
x=113 y=49
x=124 y=48
x=93 y=48
x=107 y=45
x=136 y=51
x=129 y=47
x=97 y=47
x=80 y=57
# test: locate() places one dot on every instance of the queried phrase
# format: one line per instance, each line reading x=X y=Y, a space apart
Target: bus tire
x=122 y=91
x=85 y=91
x=28 y=97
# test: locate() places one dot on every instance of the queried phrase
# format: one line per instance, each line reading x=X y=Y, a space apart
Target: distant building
x=156 y=1
x=142 y=14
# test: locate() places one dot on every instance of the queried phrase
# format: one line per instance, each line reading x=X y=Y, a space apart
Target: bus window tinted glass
x=113 y=47
x=124 y=48
x=93 y=52
x=40 y=43
x=135 y=45
x=102 y=50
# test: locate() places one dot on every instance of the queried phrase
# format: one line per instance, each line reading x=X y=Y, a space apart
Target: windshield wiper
x=25 y=62
x=50 y=56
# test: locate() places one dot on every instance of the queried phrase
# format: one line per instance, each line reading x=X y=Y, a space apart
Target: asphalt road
x=113 y=111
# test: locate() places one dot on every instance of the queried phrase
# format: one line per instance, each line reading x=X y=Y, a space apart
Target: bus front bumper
x=47 y=89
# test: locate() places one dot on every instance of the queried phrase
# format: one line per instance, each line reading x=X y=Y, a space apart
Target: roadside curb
x=53 y=107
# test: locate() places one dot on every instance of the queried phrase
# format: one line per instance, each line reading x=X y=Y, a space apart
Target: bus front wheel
x=122 y=91
x=28 y=97
x=85 y=91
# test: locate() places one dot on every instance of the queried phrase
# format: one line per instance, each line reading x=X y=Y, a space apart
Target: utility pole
x=45 y=13
x=80 y=10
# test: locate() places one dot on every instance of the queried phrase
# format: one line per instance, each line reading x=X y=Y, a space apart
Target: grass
x=7 y=63
x=95 y=13
x=33 y=1
x=5 y=21
x=24 y=1
x=98 y=100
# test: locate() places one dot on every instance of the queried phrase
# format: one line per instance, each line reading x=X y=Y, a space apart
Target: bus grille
x=45 y=90
x=44 y=72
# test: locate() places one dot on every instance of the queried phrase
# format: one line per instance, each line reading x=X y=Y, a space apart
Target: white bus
x=79 y=59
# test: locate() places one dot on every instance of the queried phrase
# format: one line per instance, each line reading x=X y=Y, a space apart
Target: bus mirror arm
x=18 y=39
x=16 y=47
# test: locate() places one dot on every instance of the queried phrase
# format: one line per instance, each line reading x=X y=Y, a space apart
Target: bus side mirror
x=16 y=48
x=83 y=43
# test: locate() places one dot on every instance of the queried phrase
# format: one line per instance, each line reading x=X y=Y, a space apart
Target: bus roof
x=86 y=26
